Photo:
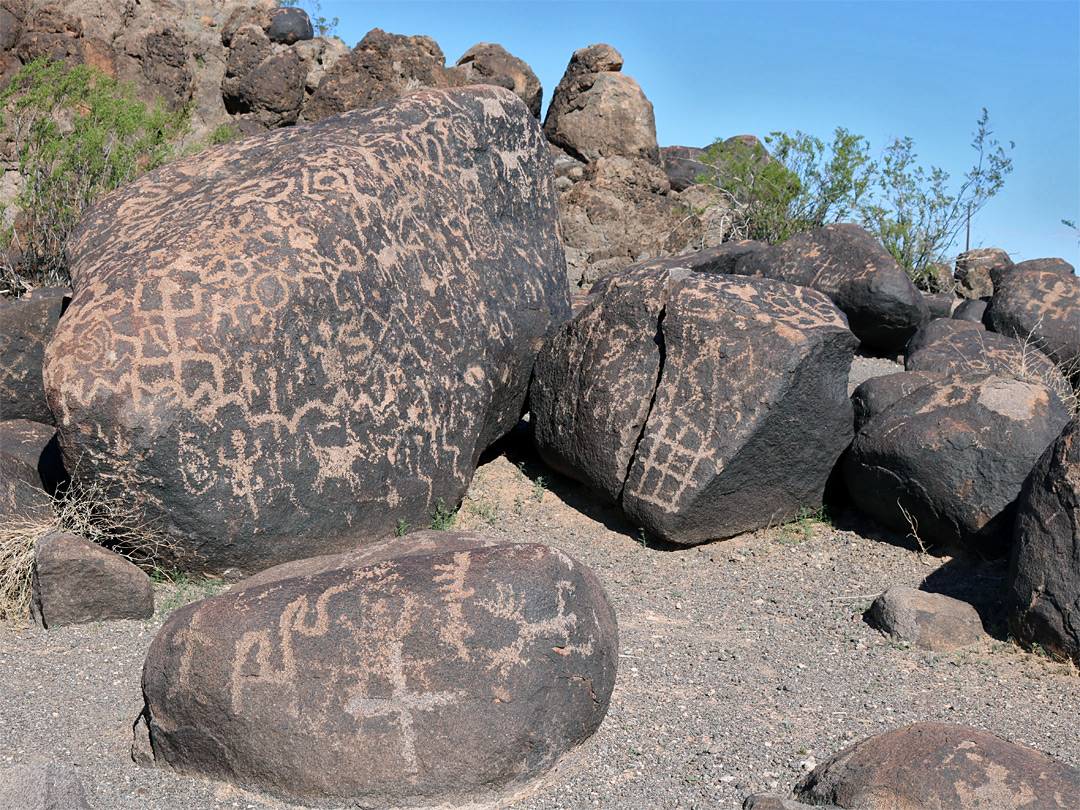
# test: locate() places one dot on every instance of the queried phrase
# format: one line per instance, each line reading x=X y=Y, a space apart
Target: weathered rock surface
x=488 y=63
x=596 y=111
x=289 y=25
x=442 y=678
x=1044 y=572
x=772 y=801
x=30 y=469
x=659 y=395
x=26 y=326
x=1041 y=308
x=975 y=271
x=971 y=309
x=939 y=329
x=77 y=581
x=41 y=784
x=951 y=350
x=931 y=766
x=947 y=461
x=940 y=304
x=883 y=307
x=380 y=68
x=682 y=165
x=877 y=394
x=932 y=621
x=999 y=273
x=289 y=343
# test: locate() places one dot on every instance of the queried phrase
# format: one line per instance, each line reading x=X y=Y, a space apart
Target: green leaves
x=78 y=135
x=806 y=184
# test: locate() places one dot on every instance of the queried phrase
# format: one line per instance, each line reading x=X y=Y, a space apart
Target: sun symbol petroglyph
x=401 y=705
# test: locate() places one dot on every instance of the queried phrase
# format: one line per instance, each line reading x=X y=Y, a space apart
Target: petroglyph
x=284 y=345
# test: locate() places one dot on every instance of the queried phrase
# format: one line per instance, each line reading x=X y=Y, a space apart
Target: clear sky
x=880 y=69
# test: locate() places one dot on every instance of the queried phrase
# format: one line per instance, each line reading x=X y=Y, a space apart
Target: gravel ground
x=742 y=663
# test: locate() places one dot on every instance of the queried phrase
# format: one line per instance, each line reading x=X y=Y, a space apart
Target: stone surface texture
x=294 y=341
x=30 y=469
x=1041 y=308
x=436 y=679
x=933 y=766
x=78 y=581
x=489 y=63
x=26 y=326
x=939 y=329
x=932 y=621
x=706 y=405
x=876 y=394
x=41 y=784
x=883 y=307
x=596 y=111
x=947 y=461
x=975 y=271
x=1044 y=572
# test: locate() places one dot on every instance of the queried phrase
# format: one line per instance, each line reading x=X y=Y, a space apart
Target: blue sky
x=880 y=69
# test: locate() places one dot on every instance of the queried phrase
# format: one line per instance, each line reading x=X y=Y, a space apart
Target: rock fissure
x=659 y=339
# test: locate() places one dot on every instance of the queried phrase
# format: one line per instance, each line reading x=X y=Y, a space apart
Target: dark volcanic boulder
x=971 y=310
x=1044 y=573
x=933 y=766
x=77 y=581
x=433 y=679
x=30 y=469
x=596 y=111
x=289 y=25
x=1000 y=273
x=843 y=261
x=709 y=405
x=976 y=350
x=878 y=393
x=26 y=327
x=946 y=462
x=1041 y=308
x=488 y=63
x=976 y=270
x=937 y=330
x=284 y=344
x=932 y=621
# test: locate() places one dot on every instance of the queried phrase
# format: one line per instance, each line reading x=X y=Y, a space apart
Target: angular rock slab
x=708 y=405
x=1041 y=308
x=287 y=343
x=883 y=307
x=947 y=461
x=1044 y=572
x=77 y=581
x=442 y=679
x=930 y=766
x=932 y=621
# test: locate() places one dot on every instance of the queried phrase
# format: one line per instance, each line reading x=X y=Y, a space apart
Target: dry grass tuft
x=17 y=539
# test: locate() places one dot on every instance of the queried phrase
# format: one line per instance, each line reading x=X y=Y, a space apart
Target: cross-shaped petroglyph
x=401 y=703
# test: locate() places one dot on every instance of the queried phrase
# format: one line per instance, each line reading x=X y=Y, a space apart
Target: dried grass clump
x=85 y=511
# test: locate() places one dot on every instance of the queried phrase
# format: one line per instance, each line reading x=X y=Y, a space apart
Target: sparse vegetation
x=173 y=590
x=77 y=135
x=443 y=518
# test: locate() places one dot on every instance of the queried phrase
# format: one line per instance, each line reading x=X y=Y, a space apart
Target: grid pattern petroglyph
x=289 y=326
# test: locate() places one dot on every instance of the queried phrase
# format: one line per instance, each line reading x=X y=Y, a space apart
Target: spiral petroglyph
x=287 y=343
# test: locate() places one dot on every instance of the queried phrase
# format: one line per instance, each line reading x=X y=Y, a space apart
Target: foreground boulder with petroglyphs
x=284 y=345
x=433 y=677
x=705 y=405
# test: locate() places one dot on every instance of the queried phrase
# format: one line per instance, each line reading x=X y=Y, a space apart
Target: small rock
x=932 y=621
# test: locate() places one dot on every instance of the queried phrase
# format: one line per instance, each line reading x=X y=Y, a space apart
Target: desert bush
x=806 y=184
x=77 y=135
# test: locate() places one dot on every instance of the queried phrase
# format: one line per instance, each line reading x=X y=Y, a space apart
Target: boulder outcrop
x=290 y=342
x=435 y=679
x=26 y=326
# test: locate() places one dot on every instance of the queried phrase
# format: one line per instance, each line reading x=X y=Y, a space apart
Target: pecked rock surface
x=843 y=261
x=1044 y=572
x=706 y=405
x=439 y=678
x=26 y=326
x=946 y=462
x=931 y=766
x=294 y=341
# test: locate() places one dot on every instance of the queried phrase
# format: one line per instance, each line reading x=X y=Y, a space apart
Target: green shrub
x=77 y=135
x=805 y=185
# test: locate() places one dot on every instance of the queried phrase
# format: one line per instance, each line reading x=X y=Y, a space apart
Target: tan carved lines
x=401 y=705
x=507 y=605
x=240 y=464
x=188 y=639
x=451 y=577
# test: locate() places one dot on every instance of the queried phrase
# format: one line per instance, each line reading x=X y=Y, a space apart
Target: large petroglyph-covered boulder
x=928 y=766
x=883 y=307
x=284 y=344
x=706 y=405
x=947 y=461
x=1041 y=308
x=432 y=679
x=1044 y=572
